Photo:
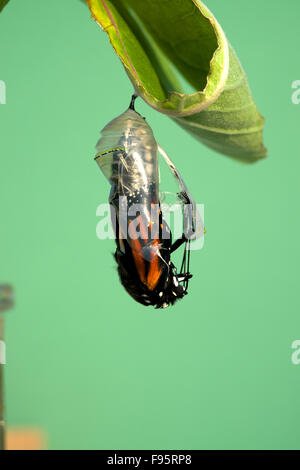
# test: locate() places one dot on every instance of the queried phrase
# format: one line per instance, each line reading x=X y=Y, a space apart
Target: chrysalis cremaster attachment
x=127 y=154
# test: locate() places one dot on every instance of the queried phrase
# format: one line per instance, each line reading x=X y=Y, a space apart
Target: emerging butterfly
x=127 y=154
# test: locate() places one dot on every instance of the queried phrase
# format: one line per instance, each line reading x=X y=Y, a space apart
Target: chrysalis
x=127 y=154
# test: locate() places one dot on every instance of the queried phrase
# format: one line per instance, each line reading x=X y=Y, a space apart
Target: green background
x=85 y=362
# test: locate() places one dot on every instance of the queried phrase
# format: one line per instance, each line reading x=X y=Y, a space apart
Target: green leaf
x=179 y=61
x=3 y=3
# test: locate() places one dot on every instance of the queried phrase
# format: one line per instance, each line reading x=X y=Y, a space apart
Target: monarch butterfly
x=127 y=154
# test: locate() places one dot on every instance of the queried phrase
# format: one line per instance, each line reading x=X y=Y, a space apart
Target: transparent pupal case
x=127 y=154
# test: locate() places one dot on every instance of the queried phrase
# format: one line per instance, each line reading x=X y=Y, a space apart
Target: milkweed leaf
x=180 y=62
x=3 y=3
